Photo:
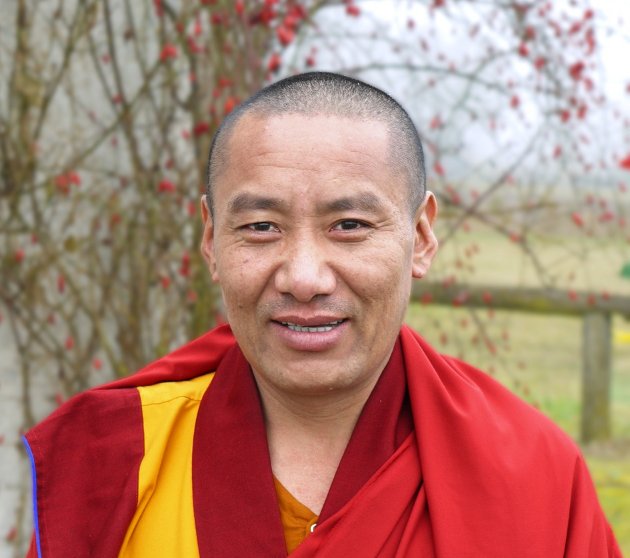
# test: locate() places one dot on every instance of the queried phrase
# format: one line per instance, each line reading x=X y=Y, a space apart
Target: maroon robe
x=443 y=462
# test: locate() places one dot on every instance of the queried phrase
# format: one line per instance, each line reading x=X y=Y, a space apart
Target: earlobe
x=425 y=242
x=207 y=239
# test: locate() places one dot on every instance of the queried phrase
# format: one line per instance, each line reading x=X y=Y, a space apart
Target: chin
x=320 y=382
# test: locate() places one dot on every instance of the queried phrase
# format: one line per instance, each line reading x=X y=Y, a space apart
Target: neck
x=307 y=437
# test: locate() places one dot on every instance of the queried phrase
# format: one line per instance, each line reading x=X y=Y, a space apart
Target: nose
x=305 y=272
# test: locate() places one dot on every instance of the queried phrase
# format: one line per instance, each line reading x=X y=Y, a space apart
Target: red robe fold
x=443 y=462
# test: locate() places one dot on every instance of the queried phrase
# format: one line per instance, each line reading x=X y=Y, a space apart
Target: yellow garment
x=297 y=519
x=164 y=522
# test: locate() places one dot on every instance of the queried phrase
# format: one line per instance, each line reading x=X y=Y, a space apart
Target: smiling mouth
x=320 y=328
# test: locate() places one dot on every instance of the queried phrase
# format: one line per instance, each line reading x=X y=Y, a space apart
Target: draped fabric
x=443 y=462
x=232 y=479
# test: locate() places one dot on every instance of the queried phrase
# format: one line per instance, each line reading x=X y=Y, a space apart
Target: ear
x=425 y=242
x=207 y=239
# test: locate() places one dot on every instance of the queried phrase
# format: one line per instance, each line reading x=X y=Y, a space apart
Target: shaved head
x=327 y=94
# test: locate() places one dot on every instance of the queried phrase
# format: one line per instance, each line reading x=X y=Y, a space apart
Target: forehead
x=306 y=162
x=323 y=149
x=299 y=133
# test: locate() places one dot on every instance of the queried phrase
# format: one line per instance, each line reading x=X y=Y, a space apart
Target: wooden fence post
x=596 y=362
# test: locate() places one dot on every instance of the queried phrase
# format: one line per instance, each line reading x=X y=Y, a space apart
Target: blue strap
x=34 y=480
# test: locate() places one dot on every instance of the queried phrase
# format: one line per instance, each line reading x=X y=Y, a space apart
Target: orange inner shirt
x=297 y=519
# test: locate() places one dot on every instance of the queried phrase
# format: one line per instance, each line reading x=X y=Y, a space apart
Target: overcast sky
x=479 y=146
x=615 y=48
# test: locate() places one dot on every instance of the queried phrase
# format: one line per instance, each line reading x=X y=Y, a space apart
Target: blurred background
x=107 y=109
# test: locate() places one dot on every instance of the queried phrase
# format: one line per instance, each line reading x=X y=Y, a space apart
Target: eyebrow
x=366 y=202
x=251 y=202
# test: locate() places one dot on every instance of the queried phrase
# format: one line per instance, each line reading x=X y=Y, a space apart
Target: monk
x=313 y=424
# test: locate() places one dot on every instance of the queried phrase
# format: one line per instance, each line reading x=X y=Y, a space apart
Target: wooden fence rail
x=595 y=311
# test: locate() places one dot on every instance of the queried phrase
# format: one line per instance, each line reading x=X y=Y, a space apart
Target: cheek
x=236 y=286
x=385 y=270
x=242 y=277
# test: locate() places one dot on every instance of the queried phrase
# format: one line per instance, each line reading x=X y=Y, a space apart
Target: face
x=314 y=248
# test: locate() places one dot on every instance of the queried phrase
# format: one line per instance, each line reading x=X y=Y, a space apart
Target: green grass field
x=539 y=356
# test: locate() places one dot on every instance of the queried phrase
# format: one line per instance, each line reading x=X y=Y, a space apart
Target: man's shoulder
x=196 y=358
x=184 y=373
x=508 y=406
x=473 y=399
x=497 y=463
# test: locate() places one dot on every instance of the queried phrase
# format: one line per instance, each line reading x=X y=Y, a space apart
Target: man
x=317 y=425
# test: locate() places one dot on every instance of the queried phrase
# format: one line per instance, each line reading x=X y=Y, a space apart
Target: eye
x=263 y=227
x=349 y=225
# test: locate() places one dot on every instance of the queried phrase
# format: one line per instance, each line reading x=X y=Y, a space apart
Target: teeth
x=312 y=329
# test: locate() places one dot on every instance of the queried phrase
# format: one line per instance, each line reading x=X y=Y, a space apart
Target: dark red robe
x=443 y=462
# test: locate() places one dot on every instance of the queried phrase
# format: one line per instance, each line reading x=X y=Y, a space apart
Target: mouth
x=315 y=328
